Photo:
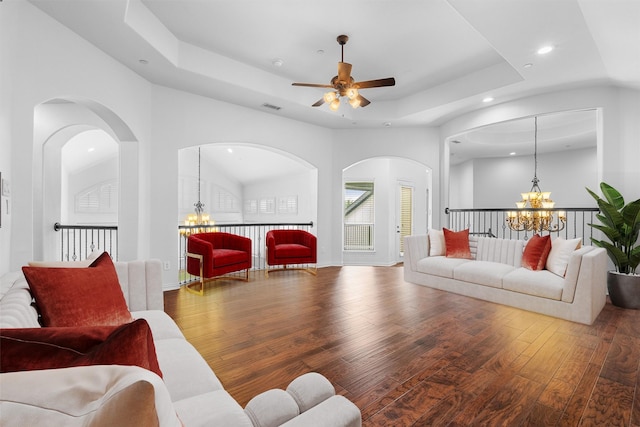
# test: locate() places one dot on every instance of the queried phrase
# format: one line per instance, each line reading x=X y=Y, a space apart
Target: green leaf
x=613 y=196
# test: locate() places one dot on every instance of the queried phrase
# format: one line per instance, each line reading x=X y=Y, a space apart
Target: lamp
x=200 y=217
x=536 y=218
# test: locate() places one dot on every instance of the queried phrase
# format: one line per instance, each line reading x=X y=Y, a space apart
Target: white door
x=404 y=215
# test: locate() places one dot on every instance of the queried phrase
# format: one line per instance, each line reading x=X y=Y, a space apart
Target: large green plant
x=621 y=225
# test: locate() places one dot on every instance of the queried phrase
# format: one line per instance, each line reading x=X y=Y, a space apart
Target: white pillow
x=560 y=254
x=436 y=243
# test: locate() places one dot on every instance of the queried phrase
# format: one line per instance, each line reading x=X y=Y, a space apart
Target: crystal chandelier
x=199 y=217
x=532 y=214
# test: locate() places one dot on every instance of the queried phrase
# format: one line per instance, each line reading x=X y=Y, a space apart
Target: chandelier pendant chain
x=539 y=216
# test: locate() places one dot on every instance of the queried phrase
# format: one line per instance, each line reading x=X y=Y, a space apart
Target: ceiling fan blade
x=318 y=103
x=344 y=71
x=363 y=101
x=389 y=81
x=312 y=85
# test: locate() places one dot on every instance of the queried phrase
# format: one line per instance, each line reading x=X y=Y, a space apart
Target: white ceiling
x=446 y=56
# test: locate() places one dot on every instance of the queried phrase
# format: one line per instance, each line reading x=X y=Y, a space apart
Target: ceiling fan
x=344 y=84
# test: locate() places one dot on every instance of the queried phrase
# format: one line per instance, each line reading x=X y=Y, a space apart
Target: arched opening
x=384 y=199
x=245 y=189
x=89 y=167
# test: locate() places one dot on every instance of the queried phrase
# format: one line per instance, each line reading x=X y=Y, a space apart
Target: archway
x=379 y=188
x=56 y=122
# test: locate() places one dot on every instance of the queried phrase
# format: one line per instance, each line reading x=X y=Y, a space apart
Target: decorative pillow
x=560 y=254
x=27 y=349
x=89 y=296
x=536 y=252
x=457 y=244
x=436 y=242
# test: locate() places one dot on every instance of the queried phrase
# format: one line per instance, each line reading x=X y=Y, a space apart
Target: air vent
x=271 y=106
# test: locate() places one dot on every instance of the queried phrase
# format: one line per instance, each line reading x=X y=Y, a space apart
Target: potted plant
x=620 y=223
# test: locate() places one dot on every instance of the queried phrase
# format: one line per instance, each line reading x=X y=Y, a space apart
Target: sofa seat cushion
x=161 y=324
x=484 y=273
x=292 y=250
x=215 y=408
x=184 y=370
x=224 y=257
x=440 y=265
x=541 y=283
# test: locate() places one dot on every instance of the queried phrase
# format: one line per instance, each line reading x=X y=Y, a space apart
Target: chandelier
x=199 y=217
x=533 y=214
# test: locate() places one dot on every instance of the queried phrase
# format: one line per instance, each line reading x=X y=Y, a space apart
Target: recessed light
x=387 y=124
x=91 y=150
x=229 y=150
x=544 y=50
x=487 y=99
x=143 y=61
x=513 y=153
x=320 y=52
x=277 y=62
x=527 y=65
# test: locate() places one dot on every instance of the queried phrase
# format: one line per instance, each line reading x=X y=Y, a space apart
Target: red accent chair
x=212 y=255
x=291 y=247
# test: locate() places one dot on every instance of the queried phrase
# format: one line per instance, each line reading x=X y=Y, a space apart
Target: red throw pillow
x=27 y=349
x=536 y=252
x=89 y=296
x=457 y=244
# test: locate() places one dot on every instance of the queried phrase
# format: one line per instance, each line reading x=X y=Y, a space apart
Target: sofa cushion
x=292 y=250
x=222 y=257
x=440 y=266
x=436 y=242
x=214 y=408
x=484 y=273
x=89 y=296
x=540 y=283
x=561 y=251
x=87 y=396
x=185 y=371
x=457 y=243
x=536 y=252
x=25 y=349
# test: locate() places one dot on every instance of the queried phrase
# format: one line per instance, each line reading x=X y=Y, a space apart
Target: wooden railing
x=493 y=222
x=255 y=232
x=78 y=241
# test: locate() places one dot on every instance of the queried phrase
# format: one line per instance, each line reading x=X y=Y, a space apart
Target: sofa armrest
x=415 y=248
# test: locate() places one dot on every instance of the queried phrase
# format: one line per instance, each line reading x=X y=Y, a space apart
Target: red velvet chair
x=212 y=255
x=291 y=247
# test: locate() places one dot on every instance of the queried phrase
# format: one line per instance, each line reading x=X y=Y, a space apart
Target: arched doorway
x=80 y=123
x=384 y=199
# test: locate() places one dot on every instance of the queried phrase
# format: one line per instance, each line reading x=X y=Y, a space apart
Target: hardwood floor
x=409 y=355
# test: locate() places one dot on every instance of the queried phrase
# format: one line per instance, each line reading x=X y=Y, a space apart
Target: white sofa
x=495 y=274
x=188 y=387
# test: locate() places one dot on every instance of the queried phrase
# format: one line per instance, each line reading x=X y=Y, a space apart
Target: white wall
x=302 y=186
x=618 y=148
x=498 y=182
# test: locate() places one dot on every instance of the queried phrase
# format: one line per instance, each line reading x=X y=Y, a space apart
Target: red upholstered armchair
x=291 y=247
x=212 y=255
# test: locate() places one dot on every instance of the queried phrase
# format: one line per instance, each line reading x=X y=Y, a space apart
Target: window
x=359 y=210
x=101 y=198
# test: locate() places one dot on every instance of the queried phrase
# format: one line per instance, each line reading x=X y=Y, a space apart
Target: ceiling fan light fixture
x=352 y=93
x=354 y=102
x=329 y=97
x=335 y=104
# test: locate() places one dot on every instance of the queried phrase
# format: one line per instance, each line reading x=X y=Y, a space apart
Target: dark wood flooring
x=409 y=355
